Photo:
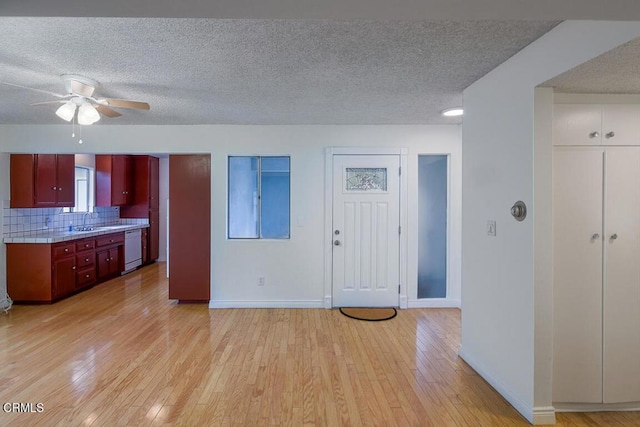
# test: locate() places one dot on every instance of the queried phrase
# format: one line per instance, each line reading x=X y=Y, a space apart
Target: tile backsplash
x=22 y=222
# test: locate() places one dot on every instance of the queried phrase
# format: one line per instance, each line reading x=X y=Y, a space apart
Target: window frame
x=259 y=198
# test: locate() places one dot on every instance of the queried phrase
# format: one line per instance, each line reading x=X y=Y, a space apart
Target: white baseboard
x=597 y=407
x=521 y=406
x=265 y=304
x=434 y=303
x=404 y=302
x=544 y=415
x=327 y=302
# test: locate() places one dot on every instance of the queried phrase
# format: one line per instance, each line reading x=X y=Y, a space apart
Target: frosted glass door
x=432 y=226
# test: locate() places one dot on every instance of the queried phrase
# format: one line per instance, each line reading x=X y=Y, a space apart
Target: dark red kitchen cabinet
x=190 y=227
x=154 y=235
x=146 y=200
x=42 y=180
x=45 y=180
x=64 y=277
x=114 y=180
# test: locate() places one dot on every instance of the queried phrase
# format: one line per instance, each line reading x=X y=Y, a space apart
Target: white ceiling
x=262 y=70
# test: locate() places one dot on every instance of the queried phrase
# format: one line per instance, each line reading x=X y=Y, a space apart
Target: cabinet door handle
x=610 y=134
x=110 y=240
x=108 y=259
x=86 y=260
x=86 y=245
x=87 y=276
x=66 y=249
x=59 y=188
x=73 y=268
x=614 y=236
x=595 y=236
x=594 y=135
x=54 y=188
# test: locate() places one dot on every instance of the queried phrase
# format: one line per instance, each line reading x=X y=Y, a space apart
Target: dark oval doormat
x=372 y=314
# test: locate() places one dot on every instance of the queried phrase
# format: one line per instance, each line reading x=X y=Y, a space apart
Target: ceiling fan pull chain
x=73 y=127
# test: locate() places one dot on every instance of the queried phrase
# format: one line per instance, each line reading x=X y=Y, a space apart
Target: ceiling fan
x=80 y=97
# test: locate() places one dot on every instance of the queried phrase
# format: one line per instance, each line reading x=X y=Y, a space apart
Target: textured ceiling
x=434 y=10
x=616 y=71
x=206 y=71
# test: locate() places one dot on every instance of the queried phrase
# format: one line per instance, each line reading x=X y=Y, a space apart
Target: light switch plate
x=491 y=228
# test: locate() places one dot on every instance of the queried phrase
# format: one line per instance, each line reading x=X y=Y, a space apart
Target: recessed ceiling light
x=453 y=112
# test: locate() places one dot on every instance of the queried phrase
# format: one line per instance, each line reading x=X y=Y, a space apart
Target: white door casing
x=366 y=230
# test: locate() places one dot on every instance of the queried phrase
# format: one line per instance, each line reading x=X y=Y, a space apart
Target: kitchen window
x=84 y=190
x=259 y=197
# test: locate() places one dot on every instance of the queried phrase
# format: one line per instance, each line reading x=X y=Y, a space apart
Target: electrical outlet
x=491 y=228
x=261 y=281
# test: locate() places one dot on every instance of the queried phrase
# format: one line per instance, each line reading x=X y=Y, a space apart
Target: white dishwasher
x=132 y=250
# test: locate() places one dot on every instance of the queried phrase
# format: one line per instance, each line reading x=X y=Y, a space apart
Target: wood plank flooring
x=122 y=354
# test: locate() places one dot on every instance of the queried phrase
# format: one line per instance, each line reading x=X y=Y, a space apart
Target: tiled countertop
x=50 y=236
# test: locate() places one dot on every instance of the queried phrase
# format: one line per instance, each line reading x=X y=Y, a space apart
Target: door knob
x=336 y=242
x=614 y=236
x=610 y=134
x=594 y=135
x=595 y=236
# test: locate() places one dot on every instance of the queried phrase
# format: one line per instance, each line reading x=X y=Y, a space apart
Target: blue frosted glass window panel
x=274 y=197
x=243 y=197
x=432 y=226
x=259 y=197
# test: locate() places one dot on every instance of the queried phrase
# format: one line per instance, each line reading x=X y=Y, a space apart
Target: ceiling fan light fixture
x=87 y=114
x=66 y=111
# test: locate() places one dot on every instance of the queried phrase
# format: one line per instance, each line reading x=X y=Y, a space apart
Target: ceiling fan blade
x=124 y=103
x=57 y=95
x=103 y=109
x=82 y=89
x=49 y=102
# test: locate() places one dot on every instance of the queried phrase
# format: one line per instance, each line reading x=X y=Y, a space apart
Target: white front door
x=366 y=230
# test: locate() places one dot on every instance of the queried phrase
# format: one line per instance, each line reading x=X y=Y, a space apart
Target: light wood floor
x=122 y=354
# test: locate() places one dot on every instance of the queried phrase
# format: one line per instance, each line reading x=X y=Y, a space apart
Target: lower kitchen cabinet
x=43 y=273
x=108 y=263
x=63 y=277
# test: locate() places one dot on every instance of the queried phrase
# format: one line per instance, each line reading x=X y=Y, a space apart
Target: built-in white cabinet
x=596 y=124
x=596 y=273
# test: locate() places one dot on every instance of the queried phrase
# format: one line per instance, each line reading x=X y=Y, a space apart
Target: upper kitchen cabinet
x=596 y=124
x=114 y=180
x=146 y=182
x=42 y=180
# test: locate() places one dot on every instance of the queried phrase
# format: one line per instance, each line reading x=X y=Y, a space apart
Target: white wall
x=294 y=269
x=505 y=335
x=164 y=197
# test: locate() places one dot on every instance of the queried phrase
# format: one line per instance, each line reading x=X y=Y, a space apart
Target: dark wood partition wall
x=189 y=227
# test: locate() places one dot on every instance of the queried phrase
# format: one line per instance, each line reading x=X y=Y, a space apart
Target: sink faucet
x=84 y=219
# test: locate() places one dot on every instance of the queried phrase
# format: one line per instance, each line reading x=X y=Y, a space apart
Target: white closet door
x=577 y=274
x=622 y=276
x=577 y=124
x=621 y=124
